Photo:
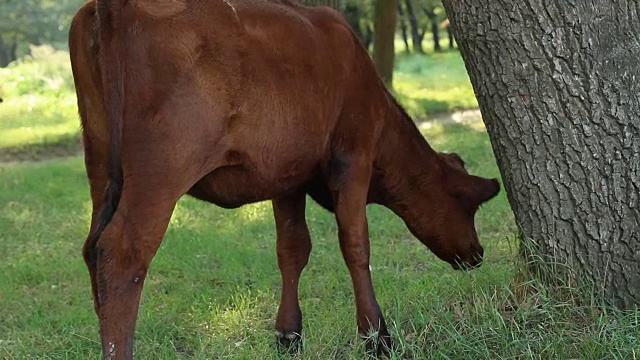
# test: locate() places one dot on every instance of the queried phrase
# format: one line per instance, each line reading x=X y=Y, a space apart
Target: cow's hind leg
x=123 y=254
x=293 y=247
x=97 y=175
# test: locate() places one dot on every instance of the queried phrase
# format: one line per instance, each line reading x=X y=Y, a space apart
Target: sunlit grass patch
x=39 y=101
x=431 y=84
x=36 y=121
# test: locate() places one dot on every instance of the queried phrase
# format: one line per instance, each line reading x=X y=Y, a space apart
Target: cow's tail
x=111 y=58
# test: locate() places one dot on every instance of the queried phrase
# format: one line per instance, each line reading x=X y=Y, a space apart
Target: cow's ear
x=485 y=189
x=453 y=159
x=481 y=190
x=475 y=190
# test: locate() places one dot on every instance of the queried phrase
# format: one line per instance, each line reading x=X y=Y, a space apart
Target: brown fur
x=238 y=101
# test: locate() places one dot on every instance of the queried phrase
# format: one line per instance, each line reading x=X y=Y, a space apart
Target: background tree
x=417 y=18
x=25 y=22
x=445 y=25
x=402 y=21
x=359 y=14
x=417 y=31
x=557 y=83
x=433 y=9
x=384 y=36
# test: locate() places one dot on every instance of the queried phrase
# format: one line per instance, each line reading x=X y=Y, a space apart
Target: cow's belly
x=234 y=186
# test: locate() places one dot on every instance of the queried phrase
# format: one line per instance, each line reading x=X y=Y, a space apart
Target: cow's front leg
x=293 y=246
x=350 y=201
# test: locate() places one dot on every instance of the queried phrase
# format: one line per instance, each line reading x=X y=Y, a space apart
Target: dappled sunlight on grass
x=182 y=216
x=245 y=313
x=430 y=84
x=29 y=136
x=431 y=131
x=37 y=119
x=18 y=215
x=254 y=212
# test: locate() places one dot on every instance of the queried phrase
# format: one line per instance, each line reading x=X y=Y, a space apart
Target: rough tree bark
x=558 y=84
x=384 y=35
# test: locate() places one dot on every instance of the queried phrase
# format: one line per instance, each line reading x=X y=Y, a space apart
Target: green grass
x=431 y=84
x=39 y=105
x=38 y=119
x=213 y=288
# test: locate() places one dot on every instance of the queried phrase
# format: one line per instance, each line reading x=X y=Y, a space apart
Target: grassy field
x=213 y=288
x=39 y=107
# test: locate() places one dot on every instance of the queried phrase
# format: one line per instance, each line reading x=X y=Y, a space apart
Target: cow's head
x=442 y=210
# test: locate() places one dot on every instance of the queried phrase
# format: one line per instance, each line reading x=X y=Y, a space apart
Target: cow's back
x=260 y=85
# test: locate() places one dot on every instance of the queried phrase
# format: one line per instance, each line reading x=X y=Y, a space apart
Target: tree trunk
x=368 y=36
x=4 y=56
x=452 y=41
x=403 y=28
x=436 y=36
x=558 y=82
x=433 y=18
x=13 y=51
x=415 y=28
x=8 y=51
x=384 y=35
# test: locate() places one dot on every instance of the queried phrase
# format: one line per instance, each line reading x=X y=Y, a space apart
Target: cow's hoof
x=379 y=345
x=289 y=342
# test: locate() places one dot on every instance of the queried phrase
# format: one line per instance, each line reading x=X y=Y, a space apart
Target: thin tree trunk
x=4 y=56
x=558 y=82
x=415 y=28
x=452 y=41
x=436 y=36
x=433 y=19
x=403 y=28
x=13 y=51
x=8 y=51
x=385 y=29
x=368 y=36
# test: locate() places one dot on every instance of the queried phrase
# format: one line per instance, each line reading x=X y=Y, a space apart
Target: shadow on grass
x=59 y=147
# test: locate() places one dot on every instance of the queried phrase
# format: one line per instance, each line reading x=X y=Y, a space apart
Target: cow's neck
x=405 y=164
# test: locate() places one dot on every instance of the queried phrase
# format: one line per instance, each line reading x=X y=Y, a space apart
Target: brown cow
x=238 y=101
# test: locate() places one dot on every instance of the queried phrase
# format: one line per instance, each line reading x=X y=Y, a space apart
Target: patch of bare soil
x=457 y=117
